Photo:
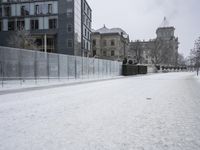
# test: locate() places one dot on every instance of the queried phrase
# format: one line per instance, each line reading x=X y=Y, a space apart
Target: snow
x=19 y=84
x=155 y=112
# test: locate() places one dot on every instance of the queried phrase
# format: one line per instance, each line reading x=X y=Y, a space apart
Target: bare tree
x=160 y=51
x=137 y=49
x=155 y=51
x=22 y=39
x=195 y=55
x=181 y=60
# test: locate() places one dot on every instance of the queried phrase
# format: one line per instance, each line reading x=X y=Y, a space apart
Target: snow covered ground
x=153 y=112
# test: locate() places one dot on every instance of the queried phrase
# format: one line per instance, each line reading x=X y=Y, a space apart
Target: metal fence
x=18 y=65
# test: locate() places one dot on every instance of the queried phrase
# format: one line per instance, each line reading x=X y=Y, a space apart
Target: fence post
x=98 y=68
x=93 y=68
x=88 y=69
x=58 y=67
x=19 y=67
x=68 y=67
x=2 y=68
x=75 y=67
x=35 y=67
x=48 y=69
x=82 y=68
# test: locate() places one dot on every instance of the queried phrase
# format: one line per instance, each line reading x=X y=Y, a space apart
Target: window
x=94 y=53
x=69 y=43
x=69 y=28
x=104 y=53
x=94 y=43
x=69 y=12
x=50 y=44
x=0 y=25
x=52 y=23
x=0 y=11
x=39 y=9
x=87 y=45
x=50 y=9
x=112 y=43
x=36 y=9
x=104 y=43
x=112 y=53
x=39 y=42
x=11 y=25
x=85 y=32
x=34 y=24
x=84 y=6
x=7 y=11
x=20 y=24
x=24 y=10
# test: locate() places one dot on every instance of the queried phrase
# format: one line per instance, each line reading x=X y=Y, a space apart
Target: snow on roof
x=105 y=30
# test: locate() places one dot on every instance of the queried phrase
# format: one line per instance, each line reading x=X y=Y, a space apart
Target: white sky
x=141 y=18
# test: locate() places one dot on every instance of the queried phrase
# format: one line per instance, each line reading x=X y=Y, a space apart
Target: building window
x=85 y=32
x=34 y=24
x=24 y=10
x=112 y=43
x=7 y=11
x=69 y=28
x=11 y=25
x=39 y=42
x=94 y=43
x=104 y=53
x=52 y=23
x=70 y=43
x=36 y=9
x=50 y=45
x=20 y=24
x=39 y=9
x=112 y=53
x=104 y=43
x=69 y=12
x=0 y=25
x=50 y=9
x=94 y=53
x=0 y=11
x=87 y=46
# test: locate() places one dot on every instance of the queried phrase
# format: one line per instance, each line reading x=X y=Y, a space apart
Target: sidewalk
x=49 y=85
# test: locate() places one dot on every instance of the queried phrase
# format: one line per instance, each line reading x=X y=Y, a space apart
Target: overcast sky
x=141 y=18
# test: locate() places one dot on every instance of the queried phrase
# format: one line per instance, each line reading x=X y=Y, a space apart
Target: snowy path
x=154 y=112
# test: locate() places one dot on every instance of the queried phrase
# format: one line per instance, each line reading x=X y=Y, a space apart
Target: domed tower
x=165 y=31
x=165 y=34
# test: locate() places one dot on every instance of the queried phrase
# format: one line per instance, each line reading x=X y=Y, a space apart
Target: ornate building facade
x=162 y=50
x=110 y=43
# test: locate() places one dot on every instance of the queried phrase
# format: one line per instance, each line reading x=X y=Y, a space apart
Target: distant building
x=110 y=43
x=61 y=26
x=161 y=50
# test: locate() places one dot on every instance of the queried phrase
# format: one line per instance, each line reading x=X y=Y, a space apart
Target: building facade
x=110 y=43
x=60 y=26
x=162 y=50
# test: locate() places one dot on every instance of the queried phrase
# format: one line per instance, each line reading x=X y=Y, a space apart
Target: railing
x=18 y=66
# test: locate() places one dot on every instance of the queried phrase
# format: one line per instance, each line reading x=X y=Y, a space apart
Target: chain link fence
x=18 y=66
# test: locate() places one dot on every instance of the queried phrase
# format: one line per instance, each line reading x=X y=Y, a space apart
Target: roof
x=105 y=30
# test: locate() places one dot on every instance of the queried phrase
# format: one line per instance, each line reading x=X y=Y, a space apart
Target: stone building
x=162 y=50
x=110 y=43
x=59 y=26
